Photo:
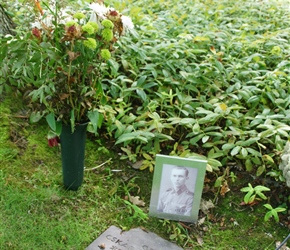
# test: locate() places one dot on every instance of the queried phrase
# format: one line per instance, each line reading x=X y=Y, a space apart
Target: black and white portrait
x=177 y=187
x=177 y=190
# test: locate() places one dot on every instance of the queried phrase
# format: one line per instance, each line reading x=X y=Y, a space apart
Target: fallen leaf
x=222 y=223
x=205 y=206
x=199 y=240
x=137 y=164
x=136 y=201
x=224 y=189
x=201 y=221
x=63 y=96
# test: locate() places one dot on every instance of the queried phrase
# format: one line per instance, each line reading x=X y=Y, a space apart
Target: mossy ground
x=37 y=213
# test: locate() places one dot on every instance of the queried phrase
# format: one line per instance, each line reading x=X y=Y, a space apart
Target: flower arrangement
x=70 y=51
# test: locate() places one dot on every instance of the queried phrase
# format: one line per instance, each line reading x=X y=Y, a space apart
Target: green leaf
x=209 y=118
x=249 y=142
x=256 y=160
x=51 y=121
x=268 y=158
x=261 y=169
x=235 y=150
x=137 y=135
x=96 y=119
x=275 y=215
x=248 y=198
x=142 y=94
x=127 y=137
x=249 y=165
x=141 y=80
x=218 y=181
x=195 y=139
x=253 y=99
x=268 y=215
x=266 y=133
x=35 y=116
x=215 y=164
x=3 y=52
x=205 y=139
x=268 y=206
x=148 y=157
x=252 y=199
x=260 y=188
x=244 y=152
x=261 y=195
x=58 y=128
x=247 y=189
x=187 y=121
x=254 y=152
x=280 y=209
x=228 y=146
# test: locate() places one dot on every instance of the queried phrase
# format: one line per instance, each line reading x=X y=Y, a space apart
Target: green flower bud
x=70 y=23
x=107 y=35
x=88 y=28
x=108 y=24
x=105 y=54
x=79 y=15
x=94 y=25
x=90 y=43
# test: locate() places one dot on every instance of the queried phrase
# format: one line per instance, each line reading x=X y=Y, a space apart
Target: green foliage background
x=206 y=79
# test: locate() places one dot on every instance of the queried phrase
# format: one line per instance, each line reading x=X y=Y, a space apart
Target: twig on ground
x=89 y=169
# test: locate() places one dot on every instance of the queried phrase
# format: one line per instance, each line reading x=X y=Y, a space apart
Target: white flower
x=36 y=25
x=65 y=15
x=100 y=10
x=47 y=21
x=127 y=23
x=44 y=22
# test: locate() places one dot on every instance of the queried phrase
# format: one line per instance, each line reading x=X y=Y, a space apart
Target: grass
x=37 y=213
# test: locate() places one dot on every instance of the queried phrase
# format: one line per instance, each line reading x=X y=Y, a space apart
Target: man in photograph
x=178 y=199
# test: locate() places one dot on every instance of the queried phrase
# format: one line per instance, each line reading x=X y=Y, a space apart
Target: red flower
x=113 y=13
x=72 y=32
x=36 y=32
x=53 y=142
x=72 y=29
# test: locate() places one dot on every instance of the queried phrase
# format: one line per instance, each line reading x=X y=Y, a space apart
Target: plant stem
x=68 y=78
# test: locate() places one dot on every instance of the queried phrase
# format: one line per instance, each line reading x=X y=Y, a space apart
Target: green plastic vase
x=73 y=155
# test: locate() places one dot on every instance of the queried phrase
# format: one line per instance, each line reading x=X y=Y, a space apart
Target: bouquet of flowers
x=69 y=52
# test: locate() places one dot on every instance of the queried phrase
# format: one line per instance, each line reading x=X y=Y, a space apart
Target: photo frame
x=177 y=188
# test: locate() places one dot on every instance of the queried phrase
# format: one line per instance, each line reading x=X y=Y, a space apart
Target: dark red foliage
x=53 y=142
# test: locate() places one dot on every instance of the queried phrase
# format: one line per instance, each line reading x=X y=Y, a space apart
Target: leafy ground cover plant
x=253 y=193
x=209 y=80
x=214 y=86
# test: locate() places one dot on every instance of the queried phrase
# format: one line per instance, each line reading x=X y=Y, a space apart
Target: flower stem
x=68 y=79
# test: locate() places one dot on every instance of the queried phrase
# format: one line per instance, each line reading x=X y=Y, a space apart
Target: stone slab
x=135 y=239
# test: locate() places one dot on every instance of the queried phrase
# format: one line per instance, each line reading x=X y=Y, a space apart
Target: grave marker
x=135 y=239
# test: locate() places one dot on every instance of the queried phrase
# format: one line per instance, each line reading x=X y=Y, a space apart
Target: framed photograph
x=177 y=188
